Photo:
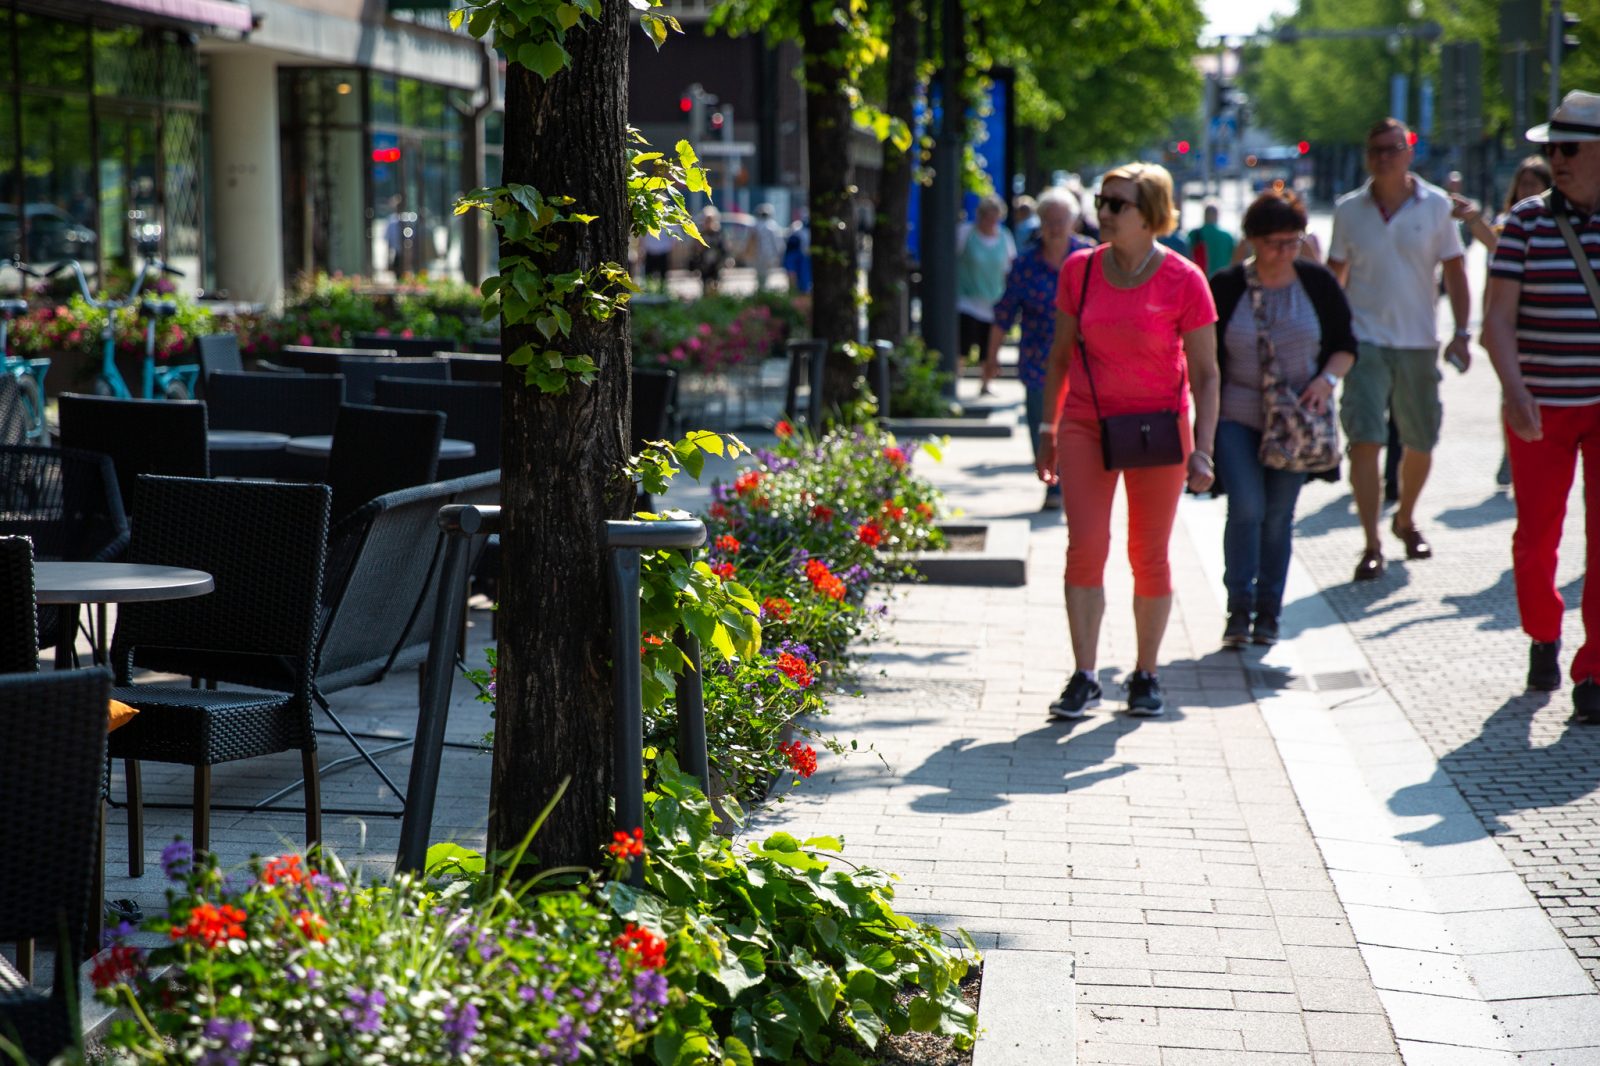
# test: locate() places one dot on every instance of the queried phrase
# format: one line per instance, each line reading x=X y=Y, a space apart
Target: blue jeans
x=1256 y=541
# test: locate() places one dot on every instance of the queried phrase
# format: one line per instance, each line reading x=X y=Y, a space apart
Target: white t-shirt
x=1391 y=287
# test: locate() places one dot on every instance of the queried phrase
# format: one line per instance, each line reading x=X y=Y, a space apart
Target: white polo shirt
x=1392 y=286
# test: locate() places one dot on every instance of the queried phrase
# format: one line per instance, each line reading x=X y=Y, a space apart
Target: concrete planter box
x=1002 y=560
x=1027 y=1010
x=977 y=422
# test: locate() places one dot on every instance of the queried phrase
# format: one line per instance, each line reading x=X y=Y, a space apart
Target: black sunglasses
x=1115 y=203
x=1566 y=148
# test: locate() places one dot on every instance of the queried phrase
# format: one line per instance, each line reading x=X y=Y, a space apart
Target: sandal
x=1370 y=567
x=1417 y=546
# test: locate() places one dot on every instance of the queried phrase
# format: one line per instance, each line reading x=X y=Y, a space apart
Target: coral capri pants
x=1541 y=476
x=1087 y=489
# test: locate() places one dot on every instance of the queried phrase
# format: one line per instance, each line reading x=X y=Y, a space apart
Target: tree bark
x=833 y=217
x=888 y=314
x=562 y=458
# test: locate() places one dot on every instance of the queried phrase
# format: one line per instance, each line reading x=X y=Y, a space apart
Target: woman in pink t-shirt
x=1147 y=323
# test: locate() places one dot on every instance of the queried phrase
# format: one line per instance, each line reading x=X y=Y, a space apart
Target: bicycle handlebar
x=106 y=303
x=17 y=264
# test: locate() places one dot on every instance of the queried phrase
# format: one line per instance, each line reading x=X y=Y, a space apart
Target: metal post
x=692 y=714
x=626 y=541
x=942 y=205
x=819 y=366
x=1557 y=34
x=805 y=361
x=882 y=350
x=460 y=522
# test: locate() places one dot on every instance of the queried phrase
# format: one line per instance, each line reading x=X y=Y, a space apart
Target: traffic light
x=1305 y=147
x=697 y=104
x=686 y=103
x=1183 y=147
x=1227 y=95
x=1569 y=37
x=716 y=120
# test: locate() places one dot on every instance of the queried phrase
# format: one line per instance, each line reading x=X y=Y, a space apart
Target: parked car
x=53 y=235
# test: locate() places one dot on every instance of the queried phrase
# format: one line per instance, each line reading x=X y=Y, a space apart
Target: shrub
x=712 y=333
x=917 y=384
x=74 y=326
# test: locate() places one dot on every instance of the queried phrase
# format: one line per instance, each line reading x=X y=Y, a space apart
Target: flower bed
x=712 y=334
x=329 y=310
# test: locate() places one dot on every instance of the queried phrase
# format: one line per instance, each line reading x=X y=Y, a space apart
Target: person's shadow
x=1502 y=771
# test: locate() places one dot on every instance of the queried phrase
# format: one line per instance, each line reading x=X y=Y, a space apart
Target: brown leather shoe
x=1417 y=546
x=1370 y=568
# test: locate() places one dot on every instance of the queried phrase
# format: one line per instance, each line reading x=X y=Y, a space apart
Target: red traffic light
x=716 y=120
x=1183 y=147
x=1304 y=146
x=686 y=104
x=1411 y=138
x=386 y=155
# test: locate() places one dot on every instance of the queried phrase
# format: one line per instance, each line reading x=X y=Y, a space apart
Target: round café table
x=319 y=447
x=245 y=440
x=71 y=584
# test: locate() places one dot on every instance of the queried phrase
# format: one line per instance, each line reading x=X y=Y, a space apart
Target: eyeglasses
x=1113 y=203
x=1566 y=148
x=1383 y=151
x=1281 y=244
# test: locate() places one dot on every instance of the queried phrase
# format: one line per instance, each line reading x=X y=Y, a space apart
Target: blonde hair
x=1153 y=188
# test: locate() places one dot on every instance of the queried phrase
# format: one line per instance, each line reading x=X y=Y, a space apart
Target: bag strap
x=1083 y=345
x=1580 y=255
x=1265 y=349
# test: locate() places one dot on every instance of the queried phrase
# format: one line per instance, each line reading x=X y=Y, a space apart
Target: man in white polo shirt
x=1389 y=236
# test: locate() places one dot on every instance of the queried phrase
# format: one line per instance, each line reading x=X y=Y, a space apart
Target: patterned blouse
x=1031 y=293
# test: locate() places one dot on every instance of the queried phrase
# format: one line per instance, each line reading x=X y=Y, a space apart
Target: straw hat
x=1577 y=119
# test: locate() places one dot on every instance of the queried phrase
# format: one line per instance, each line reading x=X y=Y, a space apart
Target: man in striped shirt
x=1542 y=329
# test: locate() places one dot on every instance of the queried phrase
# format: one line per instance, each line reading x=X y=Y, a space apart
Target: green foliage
x=330 y=309
x=918 y=383
x=784 y=955
x=74 y=326
x=713 y=332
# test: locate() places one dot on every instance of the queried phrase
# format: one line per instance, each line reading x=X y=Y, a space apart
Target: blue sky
x=1241 y=16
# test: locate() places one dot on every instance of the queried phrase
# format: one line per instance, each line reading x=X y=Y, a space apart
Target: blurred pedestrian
x=1544 y=340
x=1213 y=246
x=766 y=245
x=1024 y=221
x=710 y=256
x=1135 y=329
x=797 y=254
x=657 y=249
x=1030 y=297
x=984 y=251
x=1389 y=236
x=1276 y=313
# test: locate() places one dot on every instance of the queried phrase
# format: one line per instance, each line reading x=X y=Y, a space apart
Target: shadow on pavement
x=1495 y=508
x=1501 y=771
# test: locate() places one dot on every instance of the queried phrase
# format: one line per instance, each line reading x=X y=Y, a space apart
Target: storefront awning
x=226 y=14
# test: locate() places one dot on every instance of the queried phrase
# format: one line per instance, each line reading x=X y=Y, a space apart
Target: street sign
x=1222 y=159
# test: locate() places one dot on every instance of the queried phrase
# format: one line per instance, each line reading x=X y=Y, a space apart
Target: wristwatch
x=1331 y=378
x=1464 y=334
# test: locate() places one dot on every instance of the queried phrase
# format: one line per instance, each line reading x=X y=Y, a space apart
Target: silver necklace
x=1136 y=271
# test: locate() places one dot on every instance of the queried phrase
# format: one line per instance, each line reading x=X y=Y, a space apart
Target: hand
x=1522 y=414
x=1464 y=209
x=1459 y=354
x=1201 y=471
x=1318 y=393
x=1045 y=463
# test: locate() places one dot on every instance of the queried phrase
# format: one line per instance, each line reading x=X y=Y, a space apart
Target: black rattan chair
x=52 y=758
x=361 y=369
x=378 y=450
x=19 y=625
x=485 y=346
x=472 y=366
x=300 y=405
x=405 y=347
x=14 y=419
x=219 y=353
x=264 y=545
x=655 y=397
x=65 y=501
x=471 y=412
x=142 y=436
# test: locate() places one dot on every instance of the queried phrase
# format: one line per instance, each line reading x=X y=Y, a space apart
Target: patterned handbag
x=1292 y=437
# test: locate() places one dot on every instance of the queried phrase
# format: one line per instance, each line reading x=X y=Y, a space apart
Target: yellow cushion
x=121 y=715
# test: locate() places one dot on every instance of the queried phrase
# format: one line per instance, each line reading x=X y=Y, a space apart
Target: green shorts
x=1402 y=380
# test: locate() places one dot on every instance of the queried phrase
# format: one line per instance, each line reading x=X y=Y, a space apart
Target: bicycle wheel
x=175 y=390
x=33 y=403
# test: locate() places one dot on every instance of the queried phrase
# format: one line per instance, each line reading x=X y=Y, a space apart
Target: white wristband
x=1204 y=456
x=1047 y=431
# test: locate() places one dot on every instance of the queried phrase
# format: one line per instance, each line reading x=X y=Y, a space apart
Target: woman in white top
x=984 y=252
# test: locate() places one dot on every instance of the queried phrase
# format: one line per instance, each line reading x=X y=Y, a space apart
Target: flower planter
x=999 y=558
x=982 y=422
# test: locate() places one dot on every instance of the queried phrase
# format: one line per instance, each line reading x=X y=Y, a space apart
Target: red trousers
x=1541 y=476
x=1087 y=489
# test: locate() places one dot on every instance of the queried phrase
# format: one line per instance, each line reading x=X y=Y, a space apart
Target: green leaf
x=825 y=843
x=446 y=857
x=733 y=1049
x=567 y=16
x=655 y=28
x=925 y=1014
x=544 y=59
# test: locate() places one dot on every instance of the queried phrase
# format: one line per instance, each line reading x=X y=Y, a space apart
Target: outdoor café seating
x=265 y=546
x=219 y=353
x=361 y=369
x=471 y=412
x=142 y=436
x=14 y=419
x=378 y=450
x=297 y=405
x=474 y=366
x=405 y=347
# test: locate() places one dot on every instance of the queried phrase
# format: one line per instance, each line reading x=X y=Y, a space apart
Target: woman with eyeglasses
x=1312 y=343
x=1145 y=318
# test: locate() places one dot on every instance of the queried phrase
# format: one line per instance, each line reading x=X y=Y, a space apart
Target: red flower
x=649 y=950
x=870 y=533
x=893 y=513
x=719 y=510
x=211 y=925
x=802 y=757
x=624 y=846
x=283 y=869
x=783 y=429
x=763 y=502
x=650 y=641
x=896 y=456
x=116 y=964
x=776 y=607
x=795 y=669
x=925 y=510
x=724 y=570
x=834 y=589
x=311 y=925
x=822 y=513
x=728 y=543
x=817 y=570
x=746 y=481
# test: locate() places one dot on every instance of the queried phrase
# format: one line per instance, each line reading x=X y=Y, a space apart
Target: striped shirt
x=1558 y=325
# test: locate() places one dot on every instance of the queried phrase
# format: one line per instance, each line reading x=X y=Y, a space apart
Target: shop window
x=180 y=70
x=57 y=181
x=127 y=63
x=55 y=54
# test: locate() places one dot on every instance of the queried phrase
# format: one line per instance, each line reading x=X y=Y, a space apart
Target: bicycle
x=29 y=374
x=156 y=382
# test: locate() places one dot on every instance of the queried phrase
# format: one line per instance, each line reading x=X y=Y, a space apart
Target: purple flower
x=309 y=976
x=649 y=994
x=365 y=1013
x=177 y=859
x=460 y=1025
x=565 y=1040
x=234 y=1036
x=117 y=934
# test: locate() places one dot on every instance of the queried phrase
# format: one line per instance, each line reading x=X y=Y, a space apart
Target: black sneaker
x=1236 y=634
x=1265 y=632
x=1144 y=695
x=1544 y=666
x=1081 y=693
x=1586 y=701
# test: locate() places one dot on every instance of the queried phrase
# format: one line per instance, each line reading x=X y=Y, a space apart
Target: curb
x=999 y=423
x=1003 y=562
x=1027 y=1009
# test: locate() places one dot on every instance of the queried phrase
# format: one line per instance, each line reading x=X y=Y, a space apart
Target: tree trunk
x=888 y=315
x=562 y=458
x=833 y=216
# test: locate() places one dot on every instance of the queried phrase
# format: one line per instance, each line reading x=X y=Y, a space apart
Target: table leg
x=66 y=635
x=97 y=894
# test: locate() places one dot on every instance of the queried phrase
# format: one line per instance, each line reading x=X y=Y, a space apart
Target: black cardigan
x=1327 y=299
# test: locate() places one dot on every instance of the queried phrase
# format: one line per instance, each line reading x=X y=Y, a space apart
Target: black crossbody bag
x=1128 y=442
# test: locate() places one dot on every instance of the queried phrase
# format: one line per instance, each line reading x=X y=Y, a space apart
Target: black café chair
x=378 y=450
x=300 y=405
x=14 y=419
x=219 y=353
x=405 y=347
x=473 y=366
x=471 y=413
x=165 y=437
x=52 y=758
x=19 y=627
x=264 y=545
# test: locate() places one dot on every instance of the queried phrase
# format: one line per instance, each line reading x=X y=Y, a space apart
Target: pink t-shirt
x=1135 y=336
